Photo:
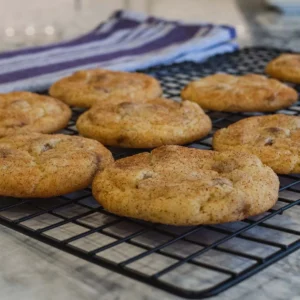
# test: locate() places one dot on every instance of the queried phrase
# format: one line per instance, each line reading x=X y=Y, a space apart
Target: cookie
x=41 y=165
x=183 y=186
x=285 y=67
x=145 y=125
x=247 y=93
x=275 y=139
x=85 y=88
x=23 y=112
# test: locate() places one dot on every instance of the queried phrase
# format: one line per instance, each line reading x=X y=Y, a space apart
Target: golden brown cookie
x=41 y=165
x=85 y=88
x=23 y=112
x=275 y=139
x=247 y=93
x=285 y=67
x=145 y=125
x=183 y=186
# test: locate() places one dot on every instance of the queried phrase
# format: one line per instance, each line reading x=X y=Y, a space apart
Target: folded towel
x=127 y=41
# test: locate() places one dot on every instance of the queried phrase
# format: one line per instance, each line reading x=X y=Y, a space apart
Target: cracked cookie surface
x=275 y=139
x=285 y=67
x=247 y=93
x=145 y=125
x=88 y=87
x=184 y=186
x=42 y=165
x=25 y=112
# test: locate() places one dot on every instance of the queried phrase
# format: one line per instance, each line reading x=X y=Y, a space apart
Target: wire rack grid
x=192 y=262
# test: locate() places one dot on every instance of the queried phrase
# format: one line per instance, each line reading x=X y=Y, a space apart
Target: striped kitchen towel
x=127 y=41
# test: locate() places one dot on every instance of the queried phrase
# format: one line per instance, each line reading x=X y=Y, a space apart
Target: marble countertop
x=31 y=270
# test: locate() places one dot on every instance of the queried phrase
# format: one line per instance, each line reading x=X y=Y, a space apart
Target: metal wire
x=193 y=262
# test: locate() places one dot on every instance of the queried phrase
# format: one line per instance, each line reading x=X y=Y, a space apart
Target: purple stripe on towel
x=126 y=41
x=179 y=34
x=122 y=24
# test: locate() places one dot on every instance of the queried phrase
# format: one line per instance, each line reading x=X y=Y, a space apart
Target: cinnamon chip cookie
x=145 y=125
x=183 y=186
x=285 y=67
x=247 y=93
x=42 y=165
x=275 y=139
x=23 y=112
x=85 y=88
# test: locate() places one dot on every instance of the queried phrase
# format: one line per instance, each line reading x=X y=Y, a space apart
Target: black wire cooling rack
x=193 y=262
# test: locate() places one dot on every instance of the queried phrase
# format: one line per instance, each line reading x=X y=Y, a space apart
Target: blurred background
x=258 y=22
